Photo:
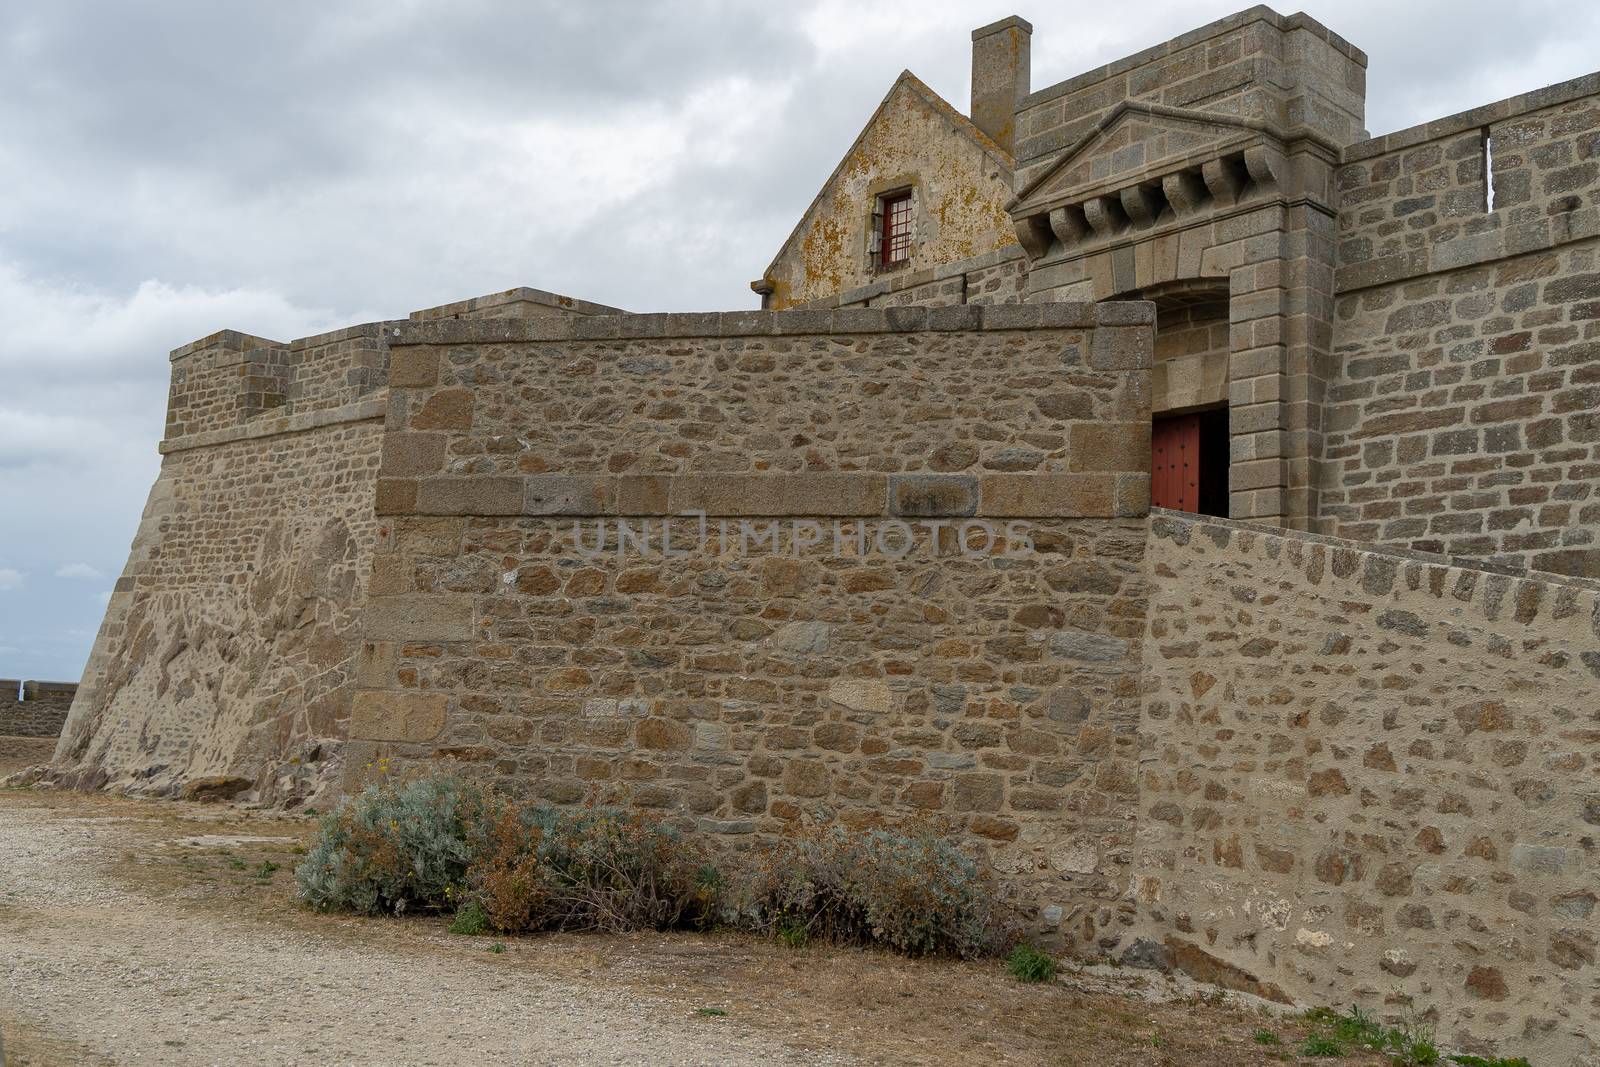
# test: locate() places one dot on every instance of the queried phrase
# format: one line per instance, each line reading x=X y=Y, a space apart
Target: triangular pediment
x=1137 y=140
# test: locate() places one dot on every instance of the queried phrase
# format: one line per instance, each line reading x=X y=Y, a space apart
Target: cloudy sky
x=174 y=167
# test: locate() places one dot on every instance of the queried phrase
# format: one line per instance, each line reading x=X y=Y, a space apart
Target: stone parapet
x=522 y=302
x=1417 y=202
x=273 y=426
x=799 y=322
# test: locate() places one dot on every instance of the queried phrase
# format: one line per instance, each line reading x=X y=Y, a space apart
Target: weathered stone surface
x=397 y=716
x=230 y=648
x=419 y=617
x=1369 y=750
x=861 y=695
x=215 y=787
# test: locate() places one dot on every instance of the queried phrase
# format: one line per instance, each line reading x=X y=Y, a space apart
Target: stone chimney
x=1001 y=66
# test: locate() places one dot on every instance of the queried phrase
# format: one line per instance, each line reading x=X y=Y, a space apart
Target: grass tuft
x=471 y=920
x=1028 y=964
x=1322 y=1045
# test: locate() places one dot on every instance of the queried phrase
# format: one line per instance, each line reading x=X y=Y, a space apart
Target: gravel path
x=128 y=979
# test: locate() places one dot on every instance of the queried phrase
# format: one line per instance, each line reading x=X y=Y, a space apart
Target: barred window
x=895 y=244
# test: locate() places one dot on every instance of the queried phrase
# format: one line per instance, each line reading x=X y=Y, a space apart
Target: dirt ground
x=157 y=932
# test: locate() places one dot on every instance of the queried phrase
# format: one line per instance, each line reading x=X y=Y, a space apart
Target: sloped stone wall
x=1368 y=776
x=231 y=640
x=228 y=651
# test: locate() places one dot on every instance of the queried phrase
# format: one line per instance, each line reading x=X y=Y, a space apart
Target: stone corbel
x=1267 y=166
x=1223 y=181
x=1140 y=204
x=1104 y=214
x=1033 y=234
x=1069 y=225
x=1185 y=192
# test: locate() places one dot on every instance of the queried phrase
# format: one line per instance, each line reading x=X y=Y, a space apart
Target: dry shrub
x=447 y=843
x=547 y=868
x=505 y=880
x=913 y=892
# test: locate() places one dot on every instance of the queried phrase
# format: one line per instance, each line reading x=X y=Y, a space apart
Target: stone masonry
x=1369 y=776
x=1464 y=415
x=746 y=684
x=887 y=556
x=1400 y=330
x=34 y=709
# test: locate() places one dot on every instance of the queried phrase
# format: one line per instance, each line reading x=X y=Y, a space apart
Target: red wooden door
x=1175 y=463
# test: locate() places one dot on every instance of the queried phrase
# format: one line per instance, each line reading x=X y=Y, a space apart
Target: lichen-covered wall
x=735 y=686
x=1464 y=412
x=1369 y=777
x=960 y=182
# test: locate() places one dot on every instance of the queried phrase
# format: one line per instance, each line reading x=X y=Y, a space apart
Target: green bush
x=1028 y=964
x=911 y=892
x=471 y=920
x=1498 y=1061
x=394 y=847
x=1266 y=1037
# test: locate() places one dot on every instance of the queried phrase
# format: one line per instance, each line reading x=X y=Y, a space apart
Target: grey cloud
x=176 y=167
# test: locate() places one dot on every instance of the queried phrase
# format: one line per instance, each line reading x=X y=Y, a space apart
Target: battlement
x=230 y=385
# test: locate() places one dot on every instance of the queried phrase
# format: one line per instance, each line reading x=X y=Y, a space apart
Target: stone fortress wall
x=228 y=652
x=860 y=665
x=225 y=657
x=34 y=709
x=1323 y=768
x=1464 y=413
x=1369 y=776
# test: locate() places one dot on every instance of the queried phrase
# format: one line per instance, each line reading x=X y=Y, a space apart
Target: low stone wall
x=34 y=709
x=1370 y=776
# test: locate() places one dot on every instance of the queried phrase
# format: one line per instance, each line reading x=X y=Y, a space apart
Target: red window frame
x=894 y=240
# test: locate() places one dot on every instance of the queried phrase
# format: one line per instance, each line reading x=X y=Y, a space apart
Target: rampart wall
x=33 y=709
x=1464 y=412
x=1369 y=776
x=893 y=652
x=228 y=654
x=225 y=659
